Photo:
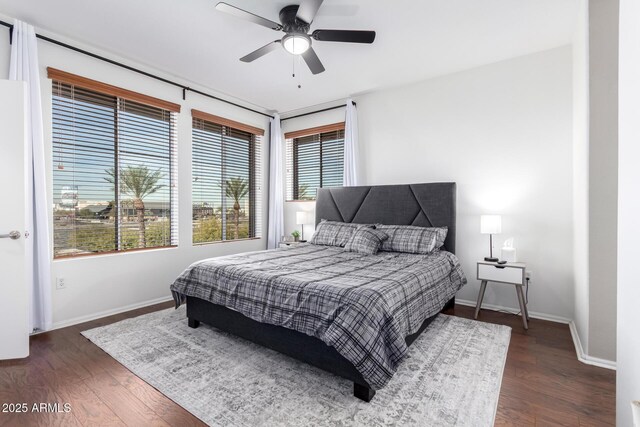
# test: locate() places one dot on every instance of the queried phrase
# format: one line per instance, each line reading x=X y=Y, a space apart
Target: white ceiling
x=416 y=39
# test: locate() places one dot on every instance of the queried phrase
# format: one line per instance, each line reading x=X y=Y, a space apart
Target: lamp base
x=490 y=259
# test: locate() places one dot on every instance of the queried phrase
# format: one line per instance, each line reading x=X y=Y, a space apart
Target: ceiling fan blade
x=261 y=52
x=247 y=16
x=308 y=9
x=349 y=36
x=312 y=60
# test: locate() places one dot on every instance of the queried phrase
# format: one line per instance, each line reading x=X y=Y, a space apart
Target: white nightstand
x=288 y=244
x=512 y=273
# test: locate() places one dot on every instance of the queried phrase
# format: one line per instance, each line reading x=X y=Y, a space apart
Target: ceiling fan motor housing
x=290 y=23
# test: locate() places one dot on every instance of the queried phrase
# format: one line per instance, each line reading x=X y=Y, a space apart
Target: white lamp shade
x=490 y=224
x=302 y=217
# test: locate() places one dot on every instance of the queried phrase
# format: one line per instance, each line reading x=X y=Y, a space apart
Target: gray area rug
x=451 y=376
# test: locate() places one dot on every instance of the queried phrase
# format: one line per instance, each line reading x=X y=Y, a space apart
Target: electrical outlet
x=528 y=274
x=60 y=283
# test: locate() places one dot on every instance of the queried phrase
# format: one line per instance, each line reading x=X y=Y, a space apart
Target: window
x=226 y=179
x=315 y=159
x=114 y=175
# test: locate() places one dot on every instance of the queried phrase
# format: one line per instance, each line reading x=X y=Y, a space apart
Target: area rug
x=450 y=377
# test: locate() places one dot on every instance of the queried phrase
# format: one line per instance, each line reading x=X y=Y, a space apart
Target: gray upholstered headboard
x=426 y=205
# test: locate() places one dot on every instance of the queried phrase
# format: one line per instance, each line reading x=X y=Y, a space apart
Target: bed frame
x=427 y=205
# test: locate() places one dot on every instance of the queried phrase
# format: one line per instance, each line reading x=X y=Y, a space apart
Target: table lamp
x=302 y=218
x=490 y=224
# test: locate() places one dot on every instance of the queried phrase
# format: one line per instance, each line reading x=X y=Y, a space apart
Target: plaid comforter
x=362 y=305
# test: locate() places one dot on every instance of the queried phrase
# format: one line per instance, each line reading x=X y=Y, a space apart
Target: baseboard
x=585 y=358
x=532 y=314
x=582 y=356
x=94 y=316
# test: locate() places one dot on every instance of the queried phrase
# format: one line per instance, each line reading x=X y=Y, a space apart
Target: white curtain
x=276 y=185
x=24 y=66
x=350 y=177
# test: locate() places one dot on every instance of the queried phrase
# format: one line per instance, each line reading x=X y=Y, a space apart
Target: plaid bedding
x=332 y=233
x=412 y=239
x=366 y=240
x=362 y=305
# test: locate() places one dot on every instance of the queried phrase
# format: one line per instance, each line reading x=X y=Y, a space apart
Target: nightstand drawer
x=505 y=274
x=288 y=244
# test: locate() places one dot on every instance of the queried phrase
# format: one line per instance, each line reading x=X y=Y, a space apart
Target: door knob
x=14 y=235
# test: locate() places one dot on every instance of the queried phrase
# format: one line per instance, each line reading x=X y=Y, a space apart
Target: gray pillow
x=332 y=233
x=412 y=239
x=366 y=240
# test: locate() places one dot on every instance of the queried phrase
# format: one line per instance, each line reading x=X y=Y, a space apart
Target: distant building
x=103 y=209
x=203 y=211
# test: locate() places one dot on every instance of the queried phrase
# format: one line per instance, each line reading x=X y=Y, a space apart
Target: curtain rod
x=136 y=70
x=317 y=111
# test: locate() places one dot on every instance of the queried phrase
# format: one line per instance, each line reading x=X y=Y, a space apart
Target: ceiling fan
x=295 y=22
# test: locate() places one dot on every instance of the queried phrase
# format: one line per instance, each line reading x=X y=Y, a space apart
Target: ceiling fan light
x=296 y=44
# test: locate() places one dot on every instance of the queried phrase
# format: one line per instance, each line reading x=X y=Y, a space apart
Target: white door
x=14 y=294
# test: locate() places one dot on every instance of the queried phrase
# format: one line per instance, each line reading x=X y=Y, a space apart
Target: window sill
x=111 y=253
x=225 y=241
x=301 y=201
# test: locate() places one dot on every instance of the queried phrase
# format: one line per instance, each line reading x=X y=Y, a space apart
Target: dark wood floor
x=544 y=384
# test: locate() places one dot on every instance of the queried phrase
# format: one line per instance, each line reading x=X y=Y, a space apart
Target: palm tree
x=236 y=189
x=138 y=182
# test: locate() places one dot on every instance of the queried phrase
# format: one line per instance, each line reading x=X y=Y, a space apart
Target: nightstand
x=513 y=273
x=288 y=244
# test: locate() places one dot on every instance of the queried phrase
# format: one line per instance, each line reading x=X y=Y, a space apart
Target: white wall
x=628 y=347
x=103 y=283
x=603 y=179
x=503 y=132
x=595 y=163
x=581 y=173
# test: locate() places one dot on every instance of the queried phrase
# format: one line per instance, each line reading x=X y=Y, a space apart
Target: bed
x=351 y=314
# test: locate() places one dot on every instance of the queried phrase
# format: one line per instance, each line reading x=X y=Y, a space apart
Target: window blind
x=114 y=177
x=314 y=161
x=226 y=186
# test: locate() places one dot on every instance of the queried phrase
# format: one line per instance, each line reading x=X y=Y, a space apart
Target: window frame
x=121 y=98
x=292 y=146
x=255 y=195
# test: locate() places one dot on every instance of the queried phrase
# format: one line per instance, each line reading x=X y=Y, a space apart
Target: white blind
x=114 y=177
x=226 y=187
x=314 y=161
